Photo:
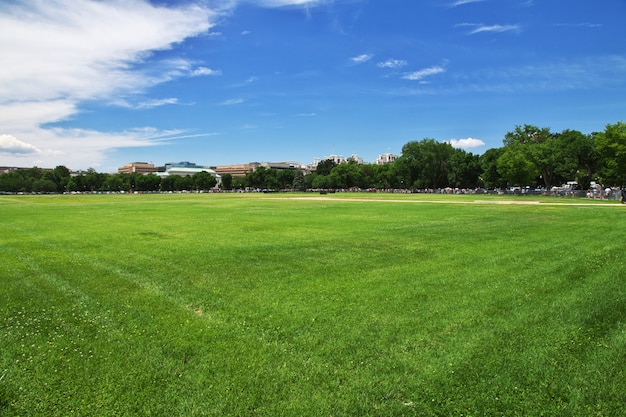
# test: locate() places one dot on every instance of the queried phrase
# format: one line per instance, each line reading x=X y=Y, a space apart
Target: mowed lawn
x=269 y=305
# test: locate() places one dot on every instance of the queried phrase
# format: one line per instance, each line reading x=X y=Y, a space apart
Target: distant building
x=237 y=170
x=355 y=158
x=386 y=158
x=286 y=165
x=337 y=159
x=313 y=166
x=136 y=168
x=240 y=170
x=185 y=169
x=186 y=172
x=184 y=164
x=6 y=170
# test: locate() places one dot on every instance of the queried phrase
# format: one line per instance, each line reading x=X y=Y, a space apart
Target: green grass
x=244 y=305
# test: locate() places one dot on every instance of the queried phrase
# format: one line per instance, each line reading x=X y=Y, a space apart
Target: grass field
x=241 y=305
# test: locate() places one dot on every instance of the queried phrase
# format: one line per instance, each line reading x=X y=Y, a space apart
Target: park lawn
x=196 y=304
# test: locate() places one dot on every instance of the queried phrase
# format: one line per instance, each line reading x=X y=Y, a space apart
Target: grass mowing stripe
x=257 y=305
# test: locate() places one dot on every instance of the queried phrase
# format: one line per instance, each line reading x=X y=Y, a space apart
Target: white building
x=186 y=169
x=356 y=158
x=386 y=158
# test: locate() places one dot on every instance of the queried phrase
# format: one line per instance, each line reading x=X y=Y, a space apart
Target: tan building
x=237 y=170
x=136 y=167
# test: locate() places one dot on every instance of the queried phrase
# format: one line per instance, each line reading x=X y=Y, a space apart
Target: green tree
x=13 y=182
x=326 y=182
x=325 y=167
x=204 y=181
x=464 y=170
x=298 y=183
x=94 y=180
x=367 y=178
x=168 y=183
x=611 y=146
x=76 y=183
x=386 y=176
x=33 y=173
x=515 y=168
x=346 y=175
x=62 y=176
x=44 y=186
x=263 y=178
x=240 y=183
x=285 y=178
x=540 y=147
x=309 y=179
x=256 y=178
x=581 y=158
x=183 y=183
x=114 y=183
x=425 y=164
x=489 y=168
x=147 y=182
x=227 y=182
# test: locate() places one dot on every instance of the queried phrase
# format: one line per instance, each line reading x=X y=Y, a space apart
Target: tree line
x=530 y=156
x=59 y=180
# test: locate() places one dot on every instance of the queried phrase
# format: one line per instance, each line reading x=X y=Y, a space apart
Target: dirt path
x=505 y=202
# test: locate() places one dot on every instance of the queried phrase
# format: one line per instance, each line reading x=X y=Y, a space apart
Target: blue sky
x=101 y=83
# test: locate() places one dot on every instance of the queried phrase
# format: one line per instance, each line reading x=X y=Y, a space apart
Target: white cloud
x=232 y=102
x=467 y=143
x=392 y=63
x=359 y=59
x=579 y=25
x=205 y=71
x=11 y=145
x=84 y=48
x=462 y=2
x=285 y=3
x=480 y=28
x=82 y=148
x=58 y=53
x=21 y=116
x=418 y=75
x=147 y=104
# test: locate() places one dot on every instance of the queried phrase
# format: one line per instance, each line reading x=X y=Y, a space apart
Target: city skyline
x=97 y=84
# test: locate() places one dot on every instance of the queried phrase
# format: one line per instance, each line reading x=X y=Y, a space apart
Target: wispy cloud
x=175 y=135
x=204 y=71
x=467 y=143
x=462 y=2
x=598 y=72
x=579 y=25
x=287 y=3
x=480 y=28
x=392 y=63
x=55 y=57
x=147 y=104
x=418 y=75
x=359 y=59
x=231 y=102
